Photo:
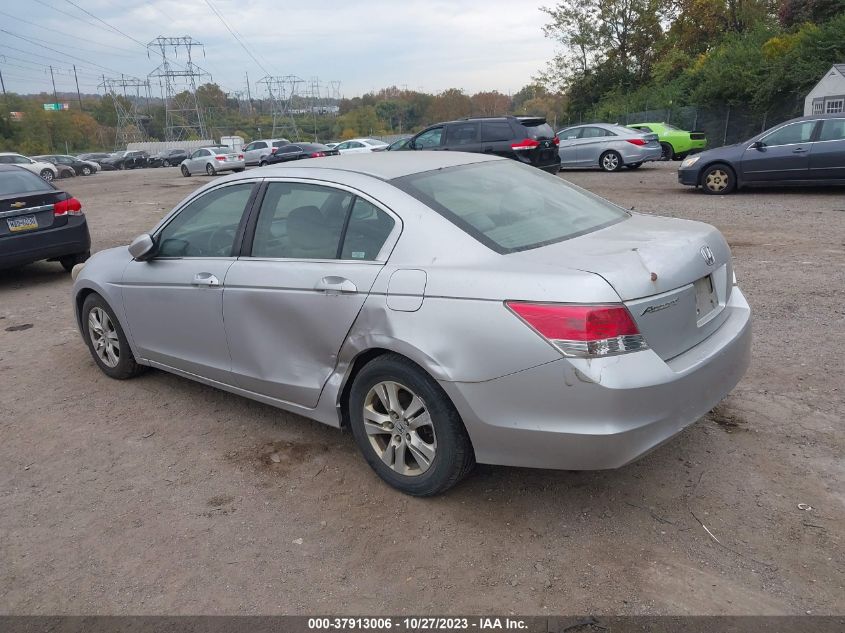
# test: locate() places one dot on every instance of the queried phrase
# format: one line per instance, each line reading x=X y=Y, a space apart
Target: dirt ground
x=157 y=495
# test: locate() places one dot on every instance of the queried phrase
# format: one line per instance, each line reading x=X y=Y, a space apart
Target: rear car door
x=827 y=157
x=783 y=155
x=174 y=302
x=463 y=137
x=496 y=138
x=291 y=299
x=566 y=149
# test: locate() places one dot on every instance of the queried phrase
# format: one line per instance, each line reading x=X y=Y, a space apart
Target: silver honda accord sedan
x=447 y=308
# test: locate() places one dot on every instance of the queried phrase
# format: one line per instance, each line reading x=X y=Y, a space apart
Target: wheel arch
x=719 y=161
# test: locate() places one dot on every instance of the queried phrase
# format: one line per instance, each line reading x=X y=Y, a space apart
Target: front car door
x=591 y=143
x=783 y=154
x=197 y=161
x=174 y=302
x=258 y=149
x=827 y=157
x=291 y=299
x=431 y=138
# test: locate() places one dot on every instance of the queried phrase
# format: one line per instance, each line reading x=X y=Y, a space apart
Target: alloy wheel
x=47 y=175
x=399 y=428
x=610 y=162
x=716 y=180
x=104 y=337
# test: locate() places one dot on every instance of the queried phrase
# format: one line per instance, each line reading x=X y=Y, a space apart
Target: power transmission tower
x=183 y=115
x=130 y=128
x=282 y=91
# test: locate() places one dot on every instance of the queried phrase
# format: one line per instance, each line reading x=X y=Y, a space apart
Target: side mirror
x=142 y=247
x=758 y=145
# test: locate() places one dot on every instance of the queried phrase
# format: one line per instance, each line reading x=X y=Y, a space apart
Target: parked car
x=446 y=307
x=65 y=171
x=298 y=151
x=529 y=140
x=167 y=158
x=256 y=151
x=809 y=150
x=79 y=167
x=100 y=159
x=131 y=159
x=676 y=144
x=48 y=171
x=39 y=221
x=212 y=160
x=331 y=145
x=608 y=146
x=360 y=146
x=398 y=144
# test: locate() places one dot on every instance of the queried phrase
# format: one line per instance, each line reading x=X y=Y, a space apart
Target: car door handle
x=799 y=150
x=336 y=286
x=205 y=280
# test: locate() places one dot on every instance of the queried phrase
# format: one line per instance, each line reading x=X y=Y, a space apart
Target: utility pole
x=248 y=94
x=3 y=84
x=55 y=94
x=78 y=96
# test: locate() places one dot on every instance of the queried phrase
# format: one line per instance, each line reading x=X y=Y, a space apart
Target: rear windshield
x=21 y=181
x=539 y=131
x=510 y=207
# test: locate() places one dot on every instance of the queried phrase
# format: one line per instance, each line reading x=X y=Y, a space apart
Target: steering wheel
x=220 y=242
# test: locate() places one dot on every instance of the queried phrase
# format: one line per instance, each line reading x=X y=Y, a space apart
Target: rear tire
x=418 y=444
x=666 y=151
x=209 y=169
x=47 y=175
x=718 y=179
x=106 y=340
x=166 y=163
x=185 y=171
x=634 y=165
x=69 y=261
x=610 y=161
x=263 y=163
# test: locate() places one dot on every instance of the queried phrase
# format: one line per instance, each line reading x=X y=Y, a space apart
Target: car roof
x=381 y=165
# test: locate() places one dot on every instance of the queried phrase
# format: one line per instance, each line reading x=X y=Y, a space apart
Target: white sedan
x=47 y=171
x=360 y=146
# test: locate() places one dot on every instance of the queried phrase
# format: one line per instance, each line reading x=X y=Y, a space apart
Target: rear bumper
x=587 y=415
x=72 y=238
x=229 y=165
x=637 y=154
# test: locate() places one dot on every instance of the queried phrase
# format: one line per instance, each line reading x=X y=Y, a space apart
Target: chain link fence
x=723 y=125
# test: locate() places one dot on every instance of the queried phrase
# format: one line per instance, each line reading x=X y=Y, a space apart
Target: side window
x=429 y=138
x=249 y=147
x=355 y=144
x=300 y=221
x=20 y=160
x=462 y=134
x=833 y=130
x=287 y=149
x=793 y=133
x=592 y=132
x=5 y=159
x=366 y=232
x=206 y=227
x=492 y=131
x=342 y=146
x=260 y=145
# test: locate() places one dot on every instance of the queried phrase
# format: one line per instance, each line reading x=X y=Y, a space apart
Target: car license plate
x=22 y=223
x=706 y=299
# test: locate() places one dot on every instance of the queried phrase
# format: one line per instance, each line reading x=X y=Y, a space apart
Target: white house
x=828 y=97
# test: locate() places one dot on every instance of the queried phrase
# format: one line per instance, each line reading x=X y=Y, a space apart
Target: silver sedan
x=213 y=160
x=448 y=308
x=610 y=147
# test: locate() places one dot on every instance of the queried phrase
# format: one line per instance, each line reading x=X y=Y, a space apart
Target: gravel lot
x=157 y=495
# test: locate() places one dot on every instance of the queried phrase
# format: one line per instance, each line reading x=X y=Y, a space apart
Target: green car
x=677 y=144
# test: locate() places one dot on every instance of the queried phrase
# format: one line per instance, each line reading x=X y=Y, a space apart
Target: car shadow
x=30 y=275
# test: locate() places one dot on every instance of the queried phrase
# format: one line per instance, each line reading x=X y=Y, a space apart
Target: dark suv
x=529 y=140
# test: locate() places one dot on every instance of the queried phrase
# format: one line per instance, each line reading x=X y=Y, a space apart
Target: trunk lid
x=674 y=276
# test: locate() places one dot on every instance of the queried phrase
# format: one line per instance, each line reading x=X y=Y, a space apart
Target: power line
x=66 y=54
x=75 y=38
x=93 y=73
x=113 y=28
x=237 y=38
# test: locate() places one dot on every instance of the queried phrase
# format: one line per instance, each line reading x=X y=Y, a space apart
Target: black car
x=809 y=150
x=131 y=159
x=529 y=140
x=167 y=158
x=39 y=221
x=80 y=167
x=100 y=158
x=298 y=151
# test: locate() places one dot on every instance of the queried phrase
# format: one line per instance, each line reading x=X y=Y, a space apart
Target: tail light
x=240 y=156
x=274 y=150
x=317 y=154
x=220 y=157
x=70 y=206
x=582 y=330
x=636 y=141
x=556 y=140
x=526 y=143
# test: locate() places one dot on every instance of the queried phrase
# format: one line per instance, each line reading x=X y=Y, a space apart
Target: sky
x=365 y=44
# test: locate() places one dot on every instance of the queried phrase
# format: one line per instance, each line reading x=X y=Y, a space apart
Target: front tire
x=209 y=169
x=106 y=340
x=718 y=180
x=185 y=171
x=47 y=175
x=121 y=166
x=407 y=428
x=166 y=163
x=86 y=171
x=263 y=163
x=666 y=151
x=610 y=161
